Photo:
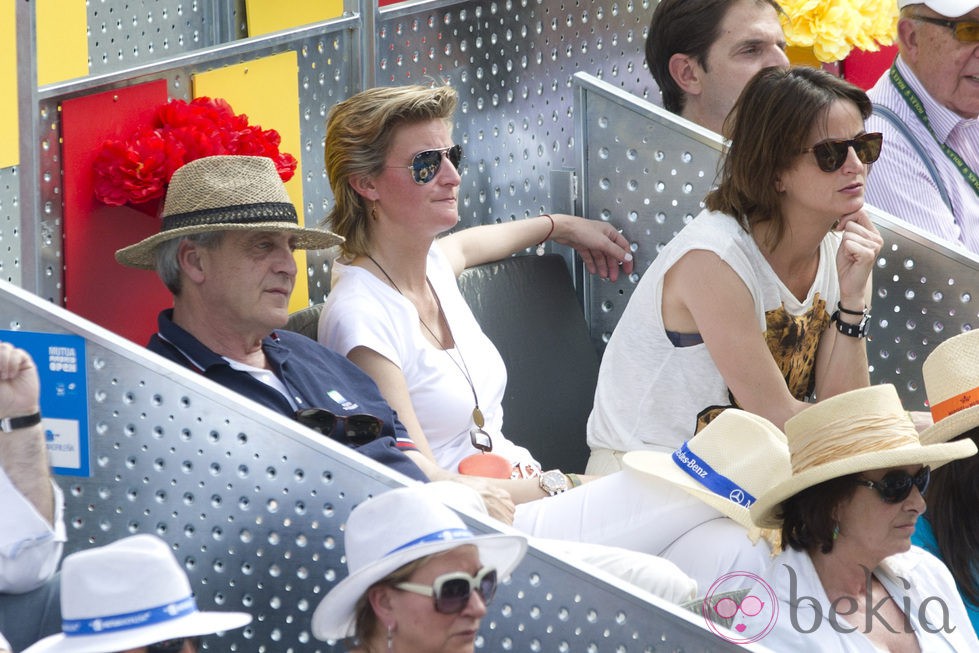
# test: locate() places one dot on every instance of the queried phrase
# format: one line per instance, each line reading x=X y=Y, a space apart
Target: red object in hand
x=487 y=465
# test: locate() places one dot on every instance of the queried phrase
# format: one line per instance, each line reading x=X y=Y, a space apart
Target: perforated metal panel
x=647 y=171
x=512 y=62
x=253 y=506
x=10 y=239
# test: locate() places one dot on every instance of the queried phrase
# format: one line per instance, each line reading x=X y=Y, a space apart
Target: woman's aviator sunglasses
x=831 y=154
x=896 y=486
x=426 y=164
x=452 y=591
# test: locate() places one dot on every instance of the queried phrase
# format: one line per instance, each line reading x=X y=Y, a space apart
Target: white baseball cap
x=949 y=8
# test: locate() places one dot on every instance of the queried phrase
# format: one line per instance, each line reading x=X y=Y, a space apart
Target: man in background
x=702 y=53
x=927 y=105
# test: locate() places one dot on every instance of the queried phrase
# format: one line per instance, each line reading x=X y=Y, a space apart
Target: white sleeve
x=30 y=548
x=353 y=316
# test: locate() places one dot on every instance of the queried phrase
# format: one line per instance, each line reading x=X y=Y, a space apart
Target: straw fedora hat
x=128 y=594
x=853 y=432
x=225 y=193
x=951 y=376
x=727 y=465
x=387 y=532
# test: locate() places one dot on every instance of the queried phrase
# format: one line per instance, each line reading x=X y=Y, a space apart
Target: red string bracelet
x=540 y=245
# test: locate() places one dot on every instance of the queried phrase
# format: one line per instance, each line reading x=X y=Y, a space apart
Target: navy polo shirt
x=315 y=376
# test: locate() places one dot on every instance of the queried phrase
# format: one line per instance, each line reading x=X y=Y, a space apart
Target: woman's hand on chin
x=857 y=253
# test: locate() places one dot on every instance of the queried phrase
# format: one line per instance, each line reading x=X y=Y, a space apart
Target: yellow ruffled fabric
x=834 y=27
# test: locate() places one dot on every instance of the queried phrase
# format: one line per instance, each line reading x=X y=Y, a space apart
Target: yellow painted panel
x=266 y=16
x=62 y=42
x=267 y=91
x=9 y=155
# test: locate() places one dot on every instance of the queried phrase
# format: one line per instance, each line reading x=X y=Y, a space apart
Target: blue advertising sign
x=60 y=360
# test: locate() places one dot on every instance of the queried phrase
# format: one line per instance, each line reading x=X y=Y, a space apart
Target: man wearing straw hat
x=132 y=596
x=225 y=252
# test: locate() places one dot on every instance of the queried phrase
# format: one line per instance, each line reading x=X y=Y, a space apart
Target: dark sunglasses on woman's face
x=169 y=646
x=452 y=591
x=357 y=429
x=896 y=486
x=426 y=164
x=831 y=154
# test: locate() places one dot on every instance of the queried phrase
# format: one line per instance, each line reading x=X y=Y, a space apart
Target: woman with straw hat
x=419 y=579
x=849 y=579
x=950 y=530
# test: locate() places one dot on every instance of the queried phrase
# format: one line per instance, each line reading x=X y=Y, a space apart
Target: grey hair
x=167 y=265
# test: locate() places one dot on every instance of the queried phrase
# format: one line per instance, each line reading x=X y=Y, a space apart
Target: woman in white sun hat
x=131 y=596
x=950 y=530
x=419 y=579
x=848 y=578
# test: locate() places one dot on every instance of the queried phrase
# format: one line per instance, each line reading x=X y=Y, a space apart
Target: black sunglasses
x=426 y=164
x=896 y=486
x=452 y=591
x=172 y=645
x=966 y=31
x=357 y=429
x=831 y=154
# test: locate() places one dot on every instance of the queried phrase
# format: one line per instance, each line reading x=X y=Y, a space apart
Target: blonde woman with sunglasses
x=394 y=307
x=762 y=302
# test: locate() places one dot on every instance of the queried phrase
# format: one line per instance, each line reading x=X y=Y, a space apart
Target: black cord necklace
x=477 y=414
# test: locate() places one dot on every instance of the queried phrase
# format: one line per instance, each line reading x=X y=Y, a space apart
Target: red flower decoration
x=138 y=169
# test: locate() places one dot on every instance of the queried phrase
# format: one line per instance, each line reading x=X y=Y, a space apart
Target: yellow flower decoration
x=834 y=27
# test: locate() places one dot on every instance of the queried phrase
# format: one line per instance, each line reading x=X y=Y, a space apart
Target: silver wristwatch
x=554 y=482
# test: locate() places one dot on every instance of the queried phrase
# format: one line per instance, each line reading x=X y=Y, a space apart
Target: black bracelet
x=839 y=305
x=22 y=422
x=852 y=330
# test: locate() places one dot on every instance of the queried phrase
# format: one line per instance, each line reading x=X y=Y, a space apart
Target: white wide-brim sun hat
x=853 y=432
x=731 y=462
x=128 y=594
x=392 y=529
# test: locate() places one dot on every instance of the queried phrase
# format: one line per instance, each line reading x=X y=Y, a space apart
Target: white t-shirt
x=807 y=621
x=650 y=392
x=363 y=311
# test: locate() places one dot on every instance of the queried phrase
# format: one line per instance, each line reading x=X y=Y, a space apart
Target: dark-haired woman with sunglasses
x=762 y=301
x=848 y=578
x=394 y=307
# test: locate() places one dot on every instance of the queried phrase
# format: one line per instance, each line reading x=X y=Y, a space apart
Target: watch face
x=554 y=481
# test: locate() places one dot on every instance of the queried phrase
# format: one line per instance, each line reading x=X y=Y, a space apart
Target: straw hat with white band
x=128 y=594
x=951 y=377
x=225 y=193
x=727 y=465
x=853 y=432
x=387 y=532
